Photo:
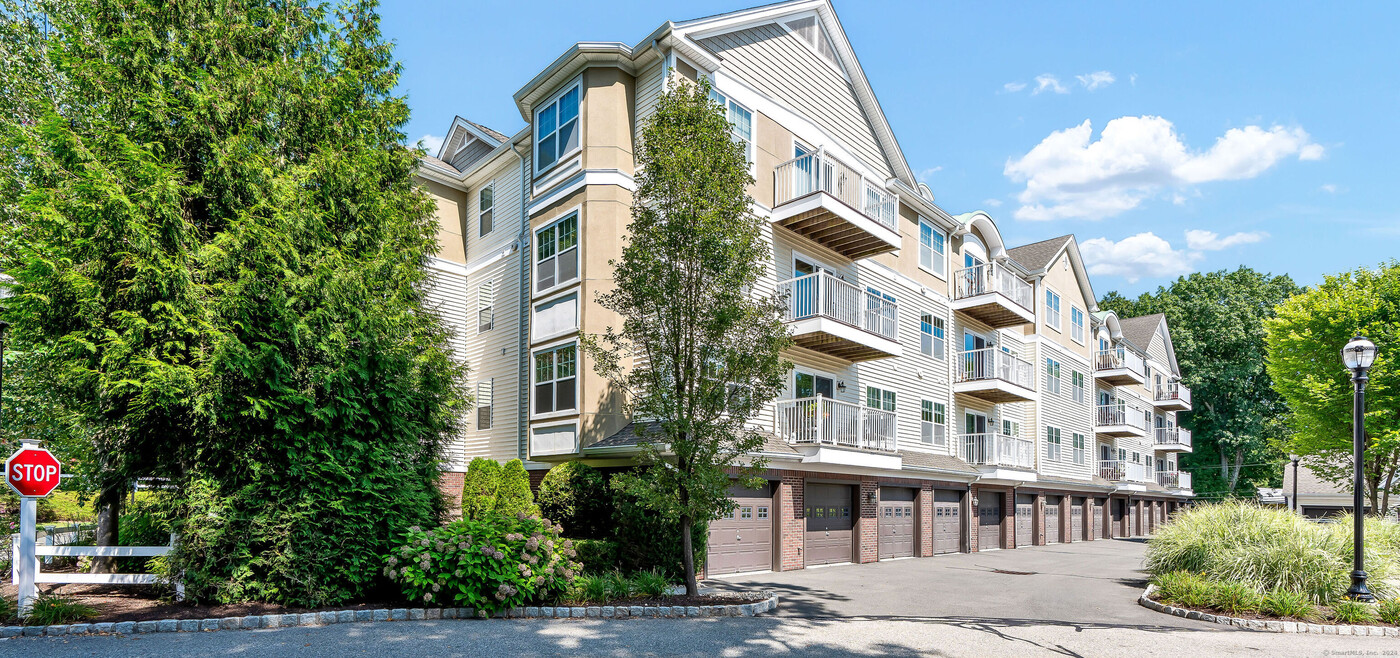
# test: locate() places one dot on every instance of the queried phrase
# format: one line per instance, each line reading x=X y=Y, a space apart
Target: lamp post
x=1296 y=506
x=1358 y=355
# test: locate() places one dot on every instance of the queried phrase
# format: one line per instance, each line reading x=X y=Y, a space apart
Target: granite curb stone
x=1268 y=626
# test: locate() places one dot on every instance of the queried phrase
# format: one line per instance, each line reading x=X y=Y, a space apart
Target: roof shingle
x=1037 y=255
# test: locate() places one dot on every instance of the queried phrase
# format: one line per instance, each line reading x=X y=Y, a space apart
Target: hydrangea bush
x=490 y=563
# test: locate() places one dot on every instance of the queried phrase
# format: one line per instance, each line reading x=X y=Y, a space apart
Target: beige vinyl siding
x=446 y=295
x=780 y=65
x=495 y=355
x=1061 y=411
x=650 y=84
x=504 y=174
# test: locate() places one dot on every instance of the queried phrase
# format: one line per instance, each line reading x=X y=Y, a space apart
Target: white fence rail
x=821 y=294
x=994 y=449
x=989 y=278
x=1173 y=436
x=1120 y=414
x=994 y=363
x=1174 y=391
x=822 y=420
x=1119 y=470
x=42 y=577
x=1120 y=358
x=820 y=172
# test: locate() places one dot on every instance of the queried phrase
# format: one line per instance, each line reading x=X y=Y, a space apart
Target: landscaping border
x=254 y=622
x=1265 y=625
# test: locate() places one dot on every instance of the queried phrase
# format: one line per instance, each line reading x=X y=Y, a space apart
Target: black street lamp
x=1296 y=507
x=1358 y=355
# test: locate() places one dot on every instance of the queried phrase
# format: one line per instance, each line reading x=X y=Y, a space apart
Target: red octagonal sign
x=32 y=472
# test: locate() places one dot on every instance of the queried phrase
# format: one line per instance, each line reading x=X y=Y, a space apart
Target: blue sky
x=1168 y=137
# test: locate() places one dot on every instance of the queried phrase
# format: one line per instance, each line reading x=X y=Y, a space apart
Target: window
x=483 y=404
x=1077 y=379
x=556 y=129
x=1076 y=324
x=556 y=253
x=1010 y=428
x=485 y=306
x=931 y=249
x=932 y=336
x=876 y=398
x=486 y=201
x=1052 y=376
x=935 y=423
x=1052 y=309
x=1080 y=453
x=555 y=379
x=740 y=122
x=762 y=511
x=1052 y=443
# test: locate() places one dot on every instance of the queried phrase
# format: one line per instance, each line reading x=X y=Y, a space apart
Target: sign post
x=33 y=473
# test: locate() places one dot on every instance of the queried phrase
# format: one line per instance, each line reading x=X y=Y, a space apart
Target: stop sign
x=32 y=472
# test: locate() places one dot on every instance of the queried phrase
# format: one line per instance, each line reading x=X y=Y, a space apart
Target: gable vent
x=810 y=31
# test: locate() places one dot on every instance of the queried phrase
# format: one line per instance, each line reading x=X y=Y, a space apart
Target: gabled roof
x=1039 y=255
x=464 y=131
x=1139 y=330
x=1309 y=482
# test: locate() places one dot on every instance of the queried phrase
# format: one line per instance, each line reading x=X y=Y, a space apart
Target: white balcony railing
x=1120 y=358
x=1173 y=436
x=822 y=420
x=989 y=278
x=994 y=363
x=1120 y=414
x=1174 y=391
x=821 y=294
x=993 y=449
x=1169 y=479
x=1183 y=480
x=1120 y=470
x=820 y=172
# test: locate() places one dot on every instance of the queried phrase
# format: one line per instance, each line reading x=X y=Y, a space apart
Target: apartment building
x=950 y=392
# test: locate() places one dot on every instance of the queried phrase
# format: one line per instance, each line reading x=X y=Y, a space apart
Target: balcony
x=1120 y=367
x=993 y=295
x=1172 y=439
x=1120 y=470
x=1119 y=420
x=837 y=318
x=822 y=199
x=993 y=449
x=994 y=375
x=823 y=421
x=1173 y=396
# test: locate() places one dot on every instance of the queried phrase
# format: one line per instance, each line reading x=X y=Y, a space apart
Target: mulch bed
x=141 y=603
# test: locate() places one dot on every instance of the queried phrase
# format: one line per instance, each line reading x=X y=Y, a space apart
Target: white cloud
x=1132 y=79
x=1068 y=174
x=1095 y=80
x=431 y=143
x=1203 y=240
x=1047 y=82
x=1136 y=257
x=923 y=175
x=1332 y=188
x=1013 y=87
x=992 y=203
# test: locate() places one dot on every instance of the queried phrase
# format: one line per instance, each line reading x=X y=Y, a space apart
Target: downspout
x=523 y=241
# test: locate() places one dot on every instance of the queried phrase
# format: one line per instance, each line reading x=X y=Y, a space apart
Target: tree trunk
x=109 y=503
x=1235 y=474
x=1384 y=510
x=692 y=587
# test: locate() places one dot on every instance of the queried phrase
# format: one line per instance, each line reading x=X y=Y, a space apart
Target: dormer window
x=556 y=129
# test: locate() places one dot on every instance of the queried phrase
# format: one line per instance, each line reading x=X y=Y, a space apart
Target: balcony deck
x=998 y=450
x=1119 y=420
x=824 y=200
x=1174 y=396
x=1122 y=471
x=993 y=295
x=840 y=319
x=1120 y=367
x=825 y=421
x=1176 y=481
x=994 y=375
x=1172 y=439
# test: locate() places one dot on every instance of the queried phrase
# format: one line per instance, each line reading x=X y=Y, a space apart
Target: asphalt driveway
x=1083 y=582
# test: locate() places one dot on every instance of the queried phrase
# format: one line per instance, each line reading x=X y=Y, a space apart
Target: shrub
x=513 y=495
x=1280 y=603
x=596 y=555
x=490 y=563
x=479 y=487
x=1389 y=611
x=1266 y=549
x=589 y=589
x=619 y=586
x=7 y=609
x=648 y=540
x=652 y=583
x=48 y=610
x=1352 y=612
x=143 y=525
x=1183 y=588
x=575 y=495
x=1235 y=598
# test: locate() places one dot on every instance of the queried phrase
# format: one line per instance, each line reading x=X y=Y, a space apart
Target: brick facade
x=867 y=529
x=924 y=521
x=790 y=522
x=450 y=485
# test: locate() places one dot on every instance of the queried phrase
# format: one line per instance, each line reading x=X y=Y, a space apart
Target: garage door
x=1052 y=519
x=1115 y=529
x=989 y=521
x=743 y=540
x=829 y=523
x=1025 y=519
x=1133 y=530
x=896 y=522
x=1096 y=523
x=1076 y=519
x=947 y=521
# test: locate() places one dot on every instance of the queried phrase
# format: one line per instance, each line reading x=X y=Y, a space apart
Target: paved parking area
x=1083 y=582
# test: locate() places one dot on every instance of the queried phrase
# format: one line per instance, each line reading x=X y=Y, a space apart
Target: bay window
x=556 y=253
x=556 y=379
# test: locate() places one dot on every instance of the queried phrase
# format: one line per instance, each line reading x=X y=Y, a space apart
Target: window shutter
x=484 y=403
x=485 y=305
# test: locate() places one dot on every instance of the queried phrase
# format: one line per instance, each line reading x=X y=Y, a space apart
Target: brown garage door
x=743 y=540
x=1025 y=519
x=1096 y=522
x=1052 y=519
x=829 y=523
x=1078 y=524
x=947 y=521
x=896 y=522
x=1133 y=529
x=989 y=521
x=1115 y=529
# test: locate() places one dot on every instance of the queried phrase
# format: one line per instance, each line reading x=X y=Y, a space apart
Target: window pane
x=564 y=395
x=546 y=154
x=546 y=244
x=486 y=222
x=544 y=366
x=568 y=265
x=568 y=137
x=544 y=275
x=548 y=120
x=568 y=106
x=568 y=232
x=564 y=357
x=743 y=122
x=486 y=198
x=544 y=398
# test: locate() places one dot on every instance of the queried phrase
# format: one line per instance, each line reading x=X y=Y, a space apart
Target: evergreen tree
x=220 y=248
x=513 y=496
x=479 y=487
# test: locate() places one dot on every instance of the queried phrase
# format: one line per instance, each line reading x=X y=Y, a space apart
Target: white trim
x=1045 y=304
x=489 y=185
x=919 y=238
x=530 y=437
x=565 y=88
x=578 y=181
x=577 y=213
x=530 y=399
x=561 y=296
